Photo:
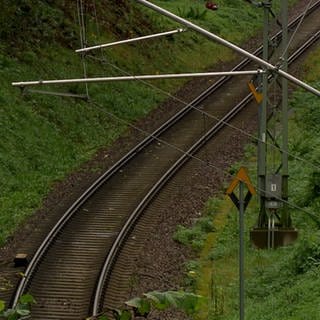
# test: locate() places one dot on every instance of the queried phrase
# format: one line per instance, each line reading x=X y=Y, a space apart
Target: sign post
x=241 y=203
x=241 y=248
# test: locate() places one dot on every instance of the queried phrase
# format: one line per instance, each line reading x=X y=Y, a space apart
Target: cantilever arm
x=156 y=35
x=230 y=45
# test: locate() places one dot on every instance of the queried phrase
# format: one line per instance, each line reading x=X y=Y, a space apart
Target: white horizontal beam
x=230 y=45
x=156 y=35
x=141 y=77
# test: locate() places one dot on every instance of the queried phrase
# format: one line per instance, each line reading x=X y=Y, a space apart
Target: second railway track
x=64 y=272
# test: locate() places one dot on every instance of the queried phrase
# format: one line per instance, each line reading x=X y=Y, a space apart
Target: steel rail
x=305 y=46
x=117 y=166
x=136 y=214
x=150 y=196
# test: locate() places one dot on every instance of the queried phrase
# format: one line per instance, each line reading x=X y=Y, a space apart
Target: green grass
x=282 y=283
x=43 y=138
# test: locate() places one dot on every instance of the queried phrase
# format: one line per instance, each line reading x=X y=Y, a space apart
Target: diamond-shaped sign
x=241 y=176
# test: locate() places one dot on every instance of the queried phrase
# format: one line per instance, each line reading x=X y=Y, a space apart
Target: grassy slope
x=283 y=283
x=43 y=137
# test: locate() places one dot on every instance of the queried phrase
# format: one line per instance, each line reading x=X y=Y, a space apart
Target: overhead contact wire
x=83 y=40
x=206 y=163
x=245 y=133
x=296 y=30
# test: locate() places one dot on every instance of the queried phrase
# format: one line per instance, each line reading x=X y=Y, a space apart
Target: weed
x=192 y=13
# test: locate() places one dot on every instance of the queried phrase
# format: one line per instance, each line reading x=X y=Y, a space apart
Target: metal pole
x=241 y=249
x=230 y=45
x=141 y=77
x=83 y=40
x=285 y=217
x=262 y=145
x=131 y=40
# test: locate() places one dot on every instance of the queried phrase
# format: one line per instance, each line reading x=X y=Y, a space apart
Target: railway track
x=70 y=274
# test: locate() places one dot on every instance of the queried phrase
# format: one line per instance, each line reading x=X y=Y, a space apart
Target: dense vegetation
x=43 y=138
x=280 y=284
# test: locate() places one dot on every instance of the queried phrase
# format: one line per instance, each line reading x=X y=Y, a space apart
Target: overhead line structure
x=75 y=273
x=273 y=180
x=126 y=232
x=265 y=179
x=230 y=45
x=204 y=32
x=111 y=44
x=274 y=226
x=138 y=77
x=83 y=40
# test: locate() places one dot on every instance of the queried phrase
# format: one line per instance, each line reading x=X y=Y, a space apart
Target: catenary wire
x=83 y=40
x=104 y=61
x=311 y=214
x=203 y=112
x=168 y=94
x=316 y=166
x=296 y=30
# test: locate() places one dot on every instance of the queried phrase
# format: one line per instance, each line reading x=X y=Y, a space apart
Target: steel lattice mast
x=274 y=218
x=274 y=226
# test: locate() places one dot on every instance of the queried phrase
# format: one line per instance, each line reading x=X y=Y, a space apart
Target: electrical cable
x=211 y=116
x=185 y=103
x=295 y=31
x=81 y=18
x=82 y=38
x=245 y=133
x=83 y=41
x=312 y=215
x=103 y=60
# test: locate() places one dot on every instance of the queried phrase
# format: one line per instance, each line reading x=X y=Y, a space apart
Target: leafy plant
x=196 y=235
x=20 y=311
x=181 y=300
x=155 y=300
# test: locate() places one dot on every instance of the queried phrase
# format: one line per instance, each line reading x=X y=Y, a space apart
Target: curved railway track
x=65 y=273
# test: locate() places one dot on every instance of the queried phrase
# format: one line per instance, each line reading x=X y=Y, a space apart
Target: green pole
x=241 y=249
x=285 y=217
x=262 y=147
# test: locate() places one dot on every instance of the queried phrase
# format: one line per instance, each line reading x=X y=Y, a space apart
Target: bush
x=196 y=235
x=307 y=253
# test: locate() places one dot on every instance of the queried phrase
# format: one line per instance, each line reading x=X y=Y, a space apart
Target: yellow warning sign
x=257 y=95
x=242 y=175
